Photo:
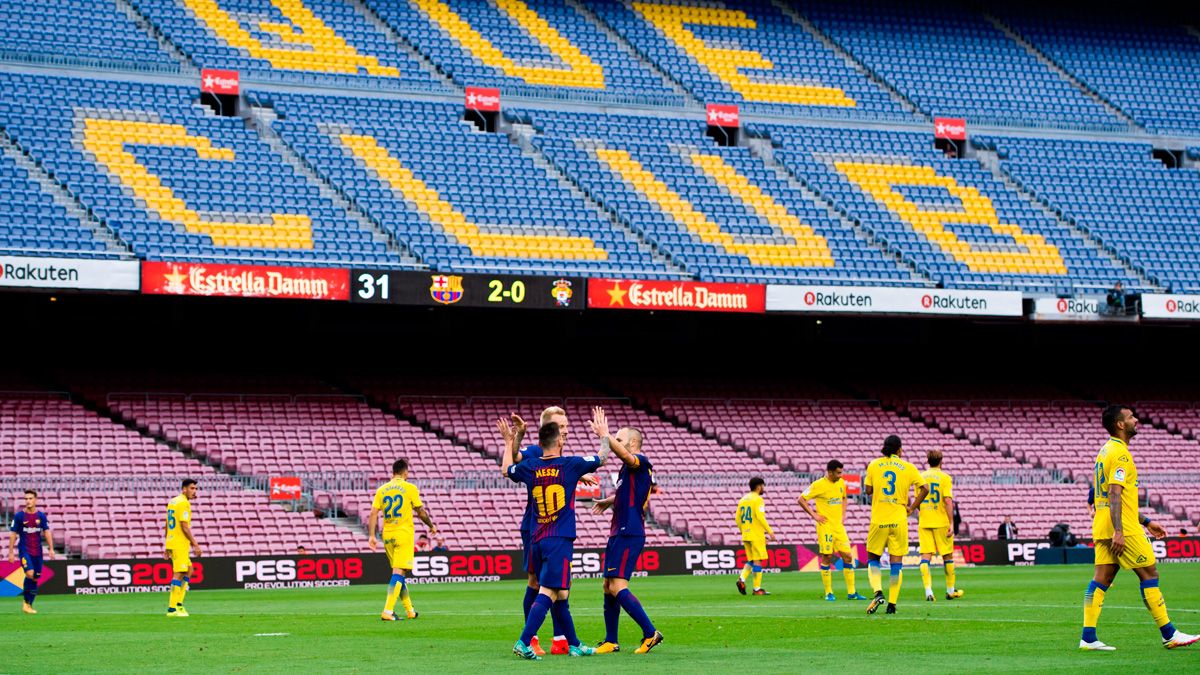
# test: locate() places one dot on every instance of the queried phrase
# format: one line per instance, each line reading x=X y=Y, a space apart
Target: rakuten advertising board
x=883 y=300
x=1170 y=306
x=84 y=274
x=1074 y=309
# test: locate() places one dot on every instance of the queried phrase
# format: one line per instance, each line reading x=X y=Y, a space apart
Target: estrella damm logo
x=446 y=289
x=561 y=292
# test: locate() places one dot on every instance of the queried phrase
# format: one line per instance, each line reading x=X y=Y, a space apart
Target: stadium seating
x=1146 y=67
x=952 y=62
x=85 y=32
x=750 y=54
x=953 y=220
x=304 y=41
x=48 y=436
x=172 y=179
x=543 y=48
x=1139 y=209
x=460 y=199
x=34 y=224
x=720 y=213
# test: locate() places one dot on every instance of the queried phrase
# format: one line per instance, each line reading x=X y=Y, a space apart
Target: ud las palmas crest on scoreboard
x=562 y=292
x=446 y=289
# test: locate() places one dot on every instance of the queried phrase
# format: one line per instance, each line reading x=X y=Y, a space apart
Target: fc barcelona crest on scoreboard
x=446 y=289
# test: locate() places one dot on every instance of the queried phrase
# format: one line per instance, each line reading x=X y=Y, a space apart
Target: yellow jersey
x=396 y=500
x=1114 y=466
x=752 y=517
x=890 y=478
x=933 y=507
x=830 y=498
x=179 y=510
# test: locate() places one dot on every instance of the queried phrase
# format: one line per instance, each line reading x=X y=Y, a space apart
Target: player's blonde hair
x=551 y=412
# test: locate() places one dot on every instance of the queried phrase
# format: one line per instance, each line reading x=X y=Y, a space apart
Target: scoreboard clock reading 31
x=466 y=290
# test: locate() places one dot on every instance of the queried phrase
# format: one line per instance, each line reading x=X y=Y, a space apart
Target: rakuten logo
x=835 y=299
x=1183 y=306
x=952 y=302
x=30 y=272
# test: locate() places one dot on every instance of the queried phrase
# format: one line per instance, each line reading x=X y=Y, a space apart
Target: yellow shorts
x=893 y=536
x=832 y=539
x=399 y=549
x=180 y=562
x=1138 y=552
x=936 y=540
x=756 y=549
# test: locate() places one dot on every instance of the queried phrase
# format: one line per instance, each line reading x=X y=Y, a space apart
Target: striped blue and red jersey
x=629 y=504
x=550 y=484
x=530 y=518
x=29 y=528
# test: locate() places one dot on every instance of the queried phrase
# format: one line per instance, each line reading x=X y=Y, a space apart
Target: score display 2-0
x=431 y=289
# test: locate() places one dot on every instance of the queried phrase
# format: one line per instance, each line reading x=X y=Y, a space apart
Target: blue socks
x=530 y=594
x=612 y=617
x=30 y=590
x=633 y=608
x=896 y=567
x=537 y=616
x=561 y=611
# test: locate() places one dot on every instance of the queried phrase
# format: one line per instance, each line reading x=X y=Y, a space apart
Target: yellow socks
x=1157 y=606
x=827 y=579
x=896 y=578
x=949 y=576
x=873 y=575
x=1093 y=601
x=405 y=599
x=757 y=580
x=926 y=577
x=848 y=574
x=395 y=586
x=745 y=572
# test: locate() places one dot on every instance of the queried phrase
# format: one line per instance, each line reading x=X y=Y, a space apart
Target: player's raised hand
x=589 y=479
x=518 y=423
x=1157 y=530
x=506 y=431
x=599 y=422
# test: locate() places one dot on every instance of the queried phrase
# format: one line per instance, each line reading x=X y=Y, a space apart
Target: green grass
x=1012 y=619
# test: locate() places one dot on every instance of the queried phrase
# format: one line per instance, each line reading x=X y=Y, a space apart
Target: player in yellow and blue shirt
x=751 y=517
x=888 y=480
x=829 y=493
x=179 y=542
x=1120 y=541
x=935 y=534
x=398 y=500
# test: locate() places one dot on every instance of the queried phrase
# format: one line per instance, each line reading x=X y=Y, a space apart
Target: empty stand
x=951 y=61
x=460 y=199
x=172 y=179
x=50 y=31
x=1134 y=205
x=34 y=224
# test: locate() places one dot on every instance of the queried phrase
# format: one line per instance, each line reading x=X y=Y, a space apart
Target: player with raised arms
x=398 y=500
x=550 y=482
x=829 y=492
x=888 y=480
x=28 y=527
x=179 y=541
x=1120 y=541
x=627 y=536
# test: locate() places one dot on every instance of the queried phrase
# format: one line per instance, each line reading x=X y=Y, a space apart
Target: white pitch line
x=271 y=634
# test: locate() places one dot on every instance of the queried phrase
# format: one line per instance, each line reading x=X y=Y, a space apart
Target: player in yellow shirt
x=179 y=541
x=1120 y=541
x=751 y=518
x=829 y=492
x=888 y=480
x=935 y=534
x=398 y=500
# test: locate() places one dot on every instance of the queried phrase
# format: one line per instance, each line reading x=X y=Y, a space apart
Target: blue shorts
x=526 y=550
x=34 y=563
x=551 y=559
x=621 y=555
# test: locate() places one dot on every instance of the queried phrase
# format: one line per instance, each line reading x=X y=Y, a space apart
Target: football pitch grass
x=1024 y=619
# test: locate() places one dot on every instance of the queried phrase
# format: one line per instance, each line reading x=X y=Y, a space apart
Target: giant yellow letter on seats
x=727 y=64
x=319 y=49
x=808 y=250
x=1029 y=254
x=454 y=223
x=107 y=139
x=580 y=71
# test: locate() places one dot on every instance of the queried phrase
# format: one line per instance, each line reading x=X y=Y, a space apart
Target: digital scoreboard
x=430 y=289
